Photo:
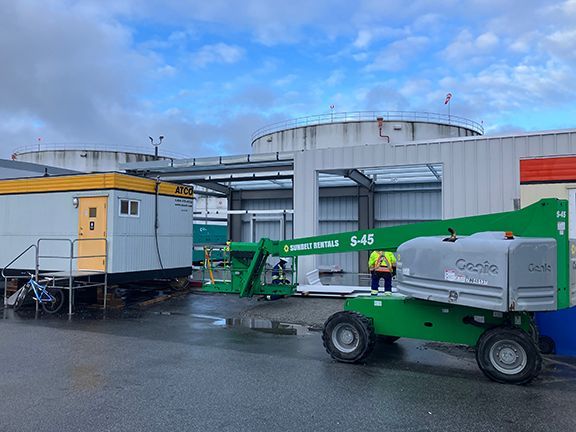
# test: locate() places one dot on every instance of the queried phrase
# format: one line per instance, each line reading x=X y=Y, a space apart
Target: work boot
x=374 y=292
x=388 y=293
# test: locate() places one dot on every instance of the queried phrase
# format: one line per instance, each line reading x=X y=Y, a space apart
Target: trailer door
x=92 y=219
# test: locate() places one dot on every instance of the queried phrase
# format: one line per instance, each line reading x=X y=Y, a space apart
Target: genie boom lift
x=479 y=287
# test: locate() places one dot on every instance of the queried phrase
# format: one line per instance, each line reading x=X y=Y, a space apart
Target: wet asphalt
x=193 y=364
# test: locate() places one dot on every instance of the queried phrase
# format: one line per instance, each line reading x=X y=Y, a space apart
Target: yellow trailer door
x=92 y=218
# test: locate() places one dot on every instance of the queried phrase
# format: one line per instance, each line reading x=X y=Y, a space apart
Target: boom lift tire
x=508 y=355
x=348 y=337
x=546 y=345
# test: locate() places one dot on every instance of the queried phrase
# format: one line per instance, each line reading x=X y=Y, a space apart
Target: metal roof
x=272 y=171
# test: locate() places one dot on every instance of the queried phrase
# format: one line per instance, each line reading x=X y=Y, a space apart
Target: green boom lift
x=506 y=343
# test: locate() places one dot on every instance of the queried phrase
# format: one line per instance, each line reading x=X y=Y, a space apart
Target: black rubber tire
x=21 y=298
x=388 y=340
x=348 y=324
x=521 y=361
x=56 y=305
x=546 y=345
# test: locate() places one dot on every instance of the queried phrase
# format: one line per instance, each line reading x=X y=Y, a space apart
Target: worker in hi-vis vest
x=382 y=264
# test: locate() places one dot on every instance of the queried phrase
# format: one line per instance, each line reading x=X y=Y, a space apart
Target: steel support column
x=365 y=221
x=235 y=220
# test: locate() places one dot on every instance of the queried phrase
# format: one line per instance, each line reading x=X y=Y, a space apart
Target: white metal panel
x=347 y=261
x=132 y=239
x=339 y=214
x=131 y=244
x=269 y=226
x=338 y=209
x=468 y=189
x=403 y=205
x=28 y=217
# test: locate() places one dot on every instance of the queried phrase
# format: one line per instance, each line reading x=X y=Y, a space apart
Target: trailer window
x=130 y=208
x=134 y=208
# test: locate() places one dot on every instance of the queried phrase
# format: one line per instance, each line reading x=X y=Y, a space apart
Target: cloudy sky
x=206 y=74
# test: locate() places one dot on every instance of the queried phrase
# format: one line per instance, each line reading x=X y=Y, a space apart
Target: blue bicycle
x=50 y=297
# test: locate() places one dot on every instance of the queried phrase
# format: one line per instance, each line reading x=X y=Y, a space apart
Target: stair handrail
x=5 y=277
x=16 y=259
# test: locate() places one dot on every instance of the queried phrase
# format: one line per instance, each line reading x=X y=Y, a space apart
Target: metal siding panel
x=339 y=214
x=493 y=170
x=338 y=208
x=348 y=261
x=133 y=243
x=503 y=181
x=407 y=206
x=268 y=229
x=26 y=218
x=267 y=204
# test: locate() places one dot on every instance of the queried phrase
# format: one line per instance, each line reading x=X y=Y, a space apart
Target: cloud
x=335 y=78
x=386 y=97
x=397 y=55
x=66 y=68
x=561 y=44
x=367 y=36
x=206 y=74
x=216 y=53
x=466 y=45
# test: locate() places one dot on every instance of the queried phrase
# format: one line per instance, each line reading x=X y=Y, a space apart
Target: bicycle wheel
x=54 y=305
x=21 y=297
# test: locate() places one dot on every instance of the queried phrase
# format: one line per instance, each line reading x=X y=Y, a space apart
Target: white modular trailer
x=147 y=225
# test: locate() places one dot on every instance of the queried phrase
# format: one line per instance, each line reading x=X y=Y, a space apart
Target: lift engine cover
x=485 y=270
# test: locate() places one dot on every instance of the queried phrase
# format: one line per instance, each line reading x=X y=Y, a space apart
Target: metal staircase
x=69 y=277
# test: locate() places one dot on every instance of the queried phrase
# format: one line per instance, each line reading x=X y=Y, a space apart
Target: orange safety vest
x=383 y=268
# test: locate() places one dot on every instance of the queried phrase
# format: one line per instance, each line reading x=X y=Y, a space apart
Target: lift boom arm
x=547 y=218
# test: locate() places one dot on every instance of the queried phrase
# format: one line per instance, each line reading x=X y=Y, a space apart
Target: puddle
x=96 y=314
x=81 y=314
x=257 y=324
x=267 y=326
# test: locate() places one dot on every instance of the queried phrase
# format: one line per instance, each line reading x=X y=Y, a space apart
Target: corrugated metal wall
x=404 y=204
x=393 y=205
x=479 y=174
x=132 y=245
x=266 y=225
x=338 y=214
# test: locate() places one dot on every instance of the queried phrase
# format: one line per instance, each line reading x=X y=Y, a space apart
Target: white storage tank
x=360 y=128
x=84 y=157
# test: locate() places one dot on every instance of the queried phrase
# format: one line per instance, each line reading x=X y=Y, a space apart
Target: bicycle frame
x=41 y=294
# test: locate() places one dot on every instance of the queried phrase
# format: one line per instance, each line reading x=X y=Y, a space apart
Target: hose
x=156 y=224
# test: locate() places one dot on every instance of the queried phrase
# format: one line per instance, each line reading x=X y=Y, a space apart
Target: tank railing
x=7 y=266
x=342 y=117
x=97 y=147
